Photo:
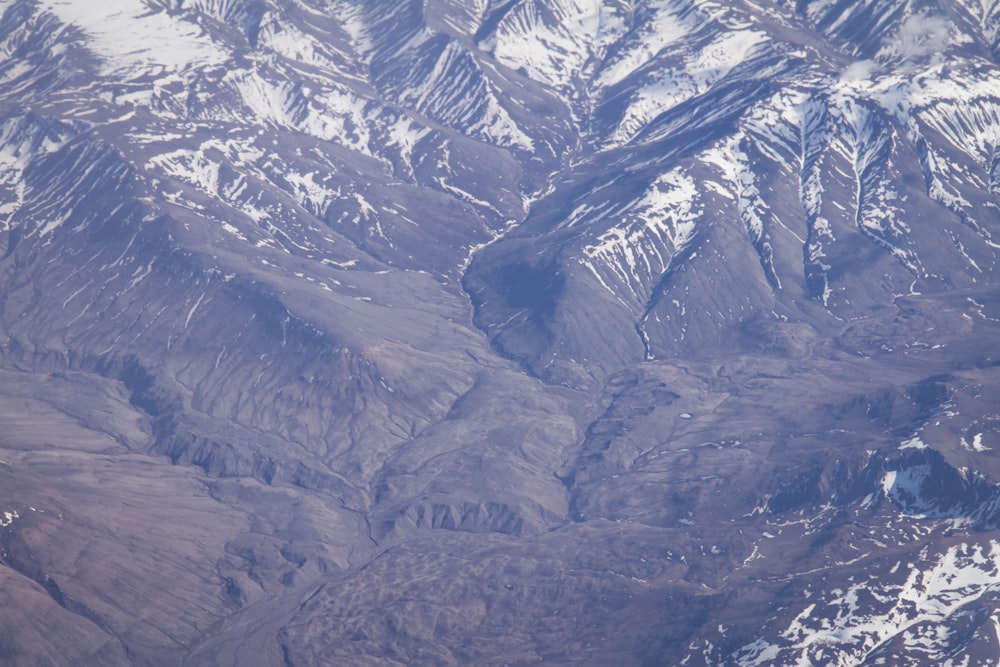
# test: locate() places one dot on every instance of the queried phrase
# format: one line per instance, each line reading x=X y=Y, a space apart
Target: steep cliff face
x=474 y=332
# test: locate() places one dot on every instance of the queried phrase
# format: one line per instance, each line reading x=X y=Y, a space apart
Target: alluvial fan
x=427 y=332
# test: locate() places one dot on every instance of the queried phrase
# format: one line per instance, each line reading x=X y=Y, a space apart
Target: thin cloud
x=921 y=35
x=859 y=71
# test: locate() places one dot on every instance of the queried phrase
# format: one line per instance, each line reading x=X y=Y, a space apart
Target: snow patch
x=131 y=38
x=554 y=41
x=653 y=229
x=847 y=626
x=694 y=76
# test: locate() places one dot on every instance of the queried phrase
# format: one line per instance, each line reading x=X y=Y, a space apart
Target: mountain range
x=499 y=332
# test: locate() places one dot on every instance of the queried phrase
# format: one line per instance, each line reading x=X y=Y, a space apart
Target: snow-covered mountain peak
x=133 y=37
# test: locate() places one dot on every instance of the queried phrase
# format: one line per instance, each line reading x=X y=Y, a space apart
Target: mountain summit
x=481 y=332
